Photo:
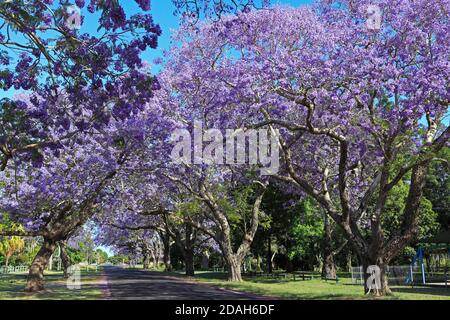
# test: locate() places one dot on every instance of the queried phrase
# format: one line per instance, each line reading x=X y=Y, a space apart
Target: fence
x=401 y=275
x=14 y=269
x=397 y=275
x=357 y=275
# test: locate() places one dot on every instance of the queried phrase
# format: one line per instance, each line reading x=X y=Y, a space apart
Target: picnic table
x=299 y=275
x=303 y=275
x=331 y=279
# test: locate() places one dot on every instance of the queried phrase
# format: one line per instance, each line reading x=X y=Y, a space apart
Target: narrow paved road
x=145 y=285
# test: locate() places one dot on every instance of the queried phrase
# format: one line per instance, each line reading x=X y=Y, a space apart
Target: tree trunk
x=329 y=266
x=269 y=254
x=65 y=259
x=289 y=265
x=349 y=261
x=234 y=268
x=7 y=261
x=383 y=255
x=146 y=255
x=365 y=265
x=167 y=262
x=156 y=255
x=258 y=263
x=189 y=262
x=166 y=251
x=146 y=261
x=187 y=247
x=50 y=263
x=35 y=281
x=205 y=260
x=372 y=285
x=153 y=256
x=385 y=290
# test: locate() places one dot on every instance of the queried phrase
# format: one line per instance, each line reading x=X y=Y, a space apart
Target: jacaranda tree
x=358 y=91
x=229 y=196
x=73 y=128
x=56 y=199
x=47 y=50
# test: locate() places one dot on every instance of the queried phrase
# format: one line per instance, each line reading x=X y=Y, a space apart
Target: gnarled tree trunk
x=269 y=254
x=380 y=286
x=146 y=255
x=35 y=281
x=233 y=258
x=329 y=266
x=65 y=259
x=188 y=250
x=153 y=259
x=146 y=261
x=156 y=256
x=189 y=262
x=205 y=260
x=166 y=251
x=385 y=290
x=234 y=265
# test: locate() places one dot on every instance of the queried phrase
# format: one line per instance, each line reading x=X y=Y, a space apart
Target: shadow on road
x=145 y=285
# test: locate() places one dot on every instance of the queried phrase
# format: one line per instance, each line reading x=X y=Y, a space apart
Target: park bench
x=331 y=279
x=256 y=274
x=282 y=275
x=302 y=275
x=275 y=275
x=216 y=269
x=264 y=275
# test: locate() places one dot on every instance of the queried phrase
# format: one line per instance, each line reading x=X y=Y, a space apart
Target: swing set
x=436 y=273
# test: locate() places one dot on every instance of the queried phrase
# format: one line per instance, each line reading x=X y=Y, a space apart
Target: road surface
x=132 y=284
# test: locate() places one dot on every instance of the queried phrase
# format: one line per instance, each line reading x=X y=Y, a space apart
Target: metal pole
x=423 y=274
x=423 y=267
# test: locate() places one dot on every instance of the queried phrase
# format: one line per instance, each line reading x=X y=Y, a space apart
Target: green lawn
x=316 y=288
x=12 y=285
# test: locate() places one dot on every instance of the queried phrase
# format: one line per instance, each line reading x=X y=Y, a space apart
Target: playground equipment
x=397 y=275
x=438 y=273
x=432 y=271
x=418 y=256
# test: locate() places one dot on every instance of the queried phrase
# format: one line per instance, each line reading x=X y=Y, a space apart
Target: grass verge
x=12 y=285
x=316 y=289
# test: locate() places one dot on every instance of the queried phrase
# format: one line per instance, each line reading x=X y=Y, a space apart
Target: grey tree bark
x=329 y=265
x=166 y=251
x=35 y=280
x=65 y=259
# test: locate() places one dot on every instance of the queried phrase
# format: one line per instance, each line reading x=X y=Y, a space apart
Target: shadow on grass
x=12 y=288
x=437 y=291
x=315 y=289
